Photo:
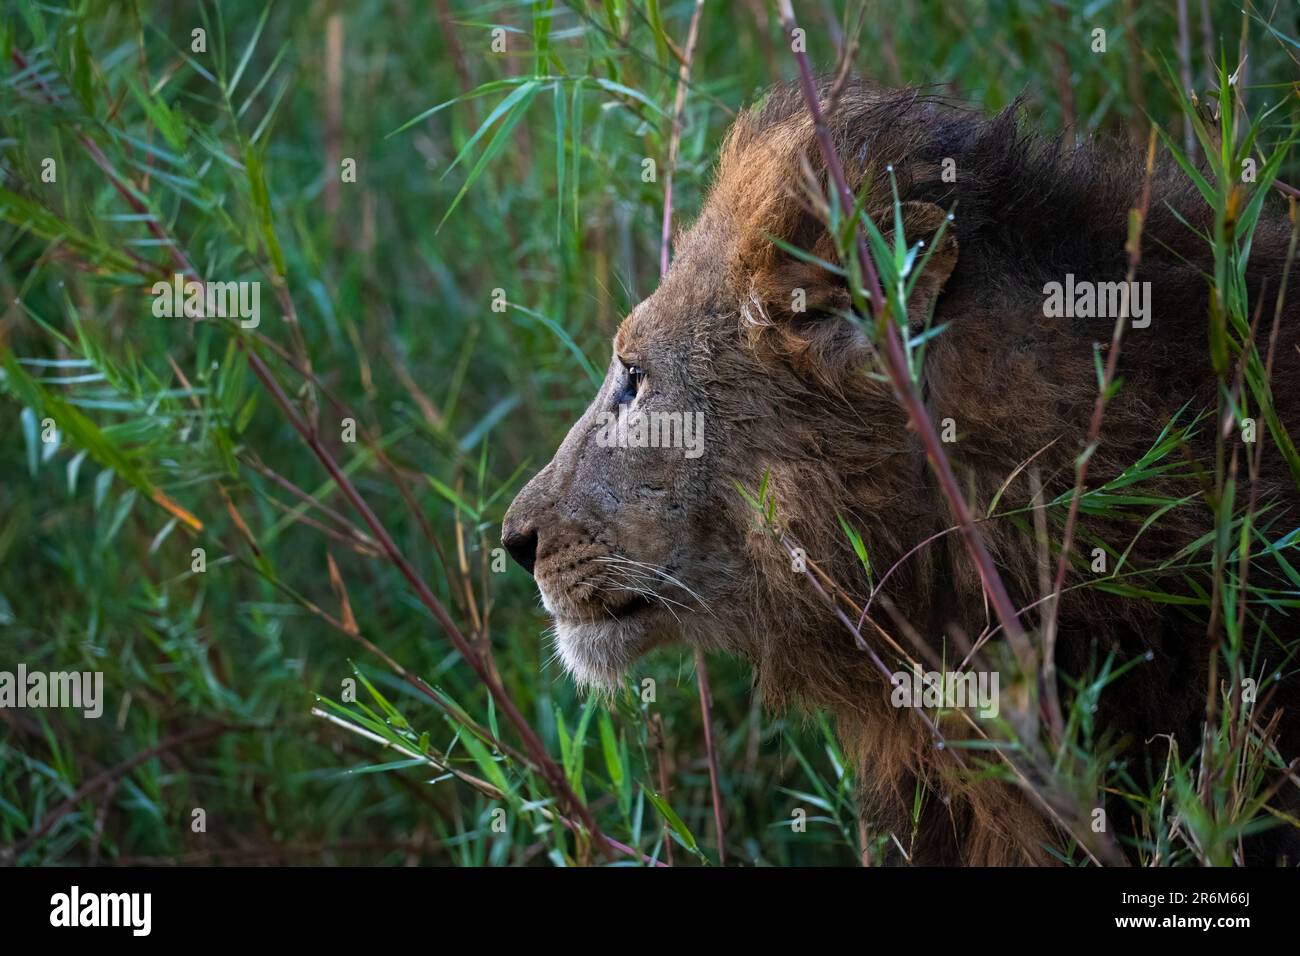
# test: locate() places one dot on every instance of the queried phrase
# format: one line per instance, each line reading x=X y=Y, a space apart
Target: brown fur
x=788 y=393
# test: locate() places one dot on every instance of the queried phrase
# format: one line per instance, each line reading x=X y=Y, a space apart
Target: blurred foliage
x=476 y=171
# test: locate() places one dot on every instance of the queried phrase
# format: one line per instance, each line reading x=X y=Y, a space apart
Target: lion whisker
x=661 y=573
x=651 y=596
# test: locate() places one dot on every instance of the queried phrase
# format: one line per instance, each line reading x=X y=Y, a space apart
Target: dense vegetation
x=448 y=208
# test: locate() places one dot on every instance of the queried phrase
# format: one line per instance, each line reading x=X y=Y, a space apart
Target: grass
x=428 y=332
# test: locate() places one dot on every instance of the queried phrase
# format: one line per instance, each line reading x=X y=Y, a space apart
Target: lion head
x=740 y=365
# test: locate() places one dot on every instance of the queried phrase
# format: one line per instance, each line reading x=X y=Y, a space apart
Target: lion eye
x=635 y=376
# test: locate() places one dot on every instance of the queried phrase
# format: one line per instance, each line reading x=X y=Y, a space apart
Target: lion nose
x=522 y=545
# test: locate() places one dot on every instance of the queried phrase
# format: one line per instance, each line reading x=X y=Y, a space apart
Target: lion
x=636 y=544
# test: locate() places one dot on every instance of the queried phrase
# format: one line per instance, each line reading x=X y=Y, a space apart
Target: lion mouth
x=601 y=597
x=597 y=642
x=609 y=617
x=638 y=605
x=630 y=611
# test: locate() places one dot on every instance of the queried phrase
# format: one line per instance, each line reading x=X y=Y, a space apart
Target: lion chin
x=598 y=647
x=597 y=654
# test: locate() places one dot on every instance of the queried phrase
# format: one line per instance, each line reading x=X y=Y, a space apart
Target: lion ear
x=795 y=303
x=800 y=289
x=924 y=222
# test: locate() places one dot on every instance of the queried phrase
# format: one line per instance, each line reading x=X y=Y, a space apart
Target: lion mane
x=1020 y=388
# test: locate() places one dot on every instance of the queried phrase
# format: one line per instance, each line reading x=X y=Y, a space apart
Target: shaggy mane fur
x=1018 y=385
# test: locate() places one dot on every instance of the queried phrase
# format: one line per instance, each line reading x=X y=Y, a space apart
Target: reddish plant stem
x=1092 y=442
x=553 y=775
x=1185 y=76
x=665 y=244
x=1102 y=850
x=660 y=736
x=896 y=366
x=547 y=767
x=675 y=136
x=302 y=366
x=706 y=717
x=112 y=774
